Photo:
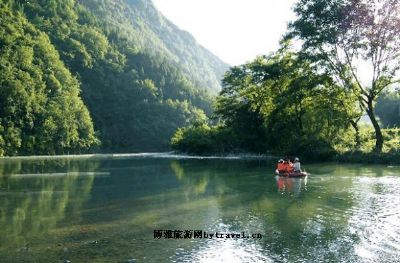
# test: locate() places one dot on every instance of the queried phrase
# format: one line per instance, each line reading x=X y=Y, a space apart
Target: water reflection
x=291 y=185
x=316 y=226
x=32 y=203
x=106 y=210
x=376 y=218
x=196 y=183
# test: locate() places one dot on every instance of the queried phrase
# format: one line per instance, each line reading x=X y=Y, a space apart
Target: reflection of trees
x=220 y=177
x=295 y=221
x=195 y=183
x=319 y=219
x=33 y=205
x=8 y=167
x=147 y=194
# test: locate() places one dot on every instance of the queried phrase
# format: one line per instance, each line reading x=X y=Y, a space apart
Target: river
x=164 y=208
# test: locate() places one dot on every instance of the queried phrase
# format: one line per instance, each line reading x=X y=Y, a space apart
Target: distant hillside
x=139 y=76
x=142 y=24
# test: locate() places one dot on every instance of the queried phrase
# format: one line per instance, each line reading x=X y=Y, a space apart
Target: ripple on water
x=223 y=250
x=376 y=218
x=372 y=225
x=234 y=250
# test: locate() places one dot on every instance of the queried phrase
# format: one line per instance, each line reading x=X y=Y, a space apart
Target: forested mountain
x=138 y=75
x=139 y=22
x=40 y=109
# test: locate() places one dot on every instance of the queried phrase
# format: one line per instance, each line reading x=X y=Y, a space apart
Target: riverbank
x=371 y=157
x=391 y=158
x=172 y=155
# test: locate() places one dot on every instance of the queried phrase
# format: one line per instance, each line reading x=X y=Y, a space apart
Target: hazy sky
x=235 y=30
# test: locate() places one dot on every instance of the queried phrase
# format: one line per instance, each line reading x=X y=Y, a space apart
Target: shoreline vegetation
x=310 y=101
x=191 y=141
x=167 y=155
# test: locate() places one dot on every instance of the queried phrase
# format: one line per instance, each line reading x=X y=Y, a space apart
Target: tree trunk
x=299 y=113
x=378 y=131
x=357 y=130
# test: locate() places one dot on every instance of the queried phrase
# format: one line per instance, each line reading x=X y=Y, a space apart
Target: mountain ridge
x=138 y=78
x=169 y=34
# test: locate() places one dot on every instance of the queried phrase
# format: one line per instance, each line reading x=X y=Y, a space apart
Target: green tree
x=343 y=34
x=275 y=103
x=388 y=109
x=296 y=108
x=41 y=110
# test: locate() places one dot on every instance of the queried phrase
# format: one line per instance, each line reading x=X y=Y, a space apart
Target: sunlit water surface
x=107 y=209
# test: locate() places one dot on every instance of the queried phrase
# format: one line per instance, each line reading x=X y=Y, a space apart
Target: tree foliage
x=341 y=35
x=139 y=76
x=275 y=103
x=41 y=110
x=388 y=109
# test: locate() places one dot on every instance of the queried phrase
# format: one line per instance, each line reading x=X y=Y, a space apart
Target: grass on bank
x=348 y=152
x=217 y=140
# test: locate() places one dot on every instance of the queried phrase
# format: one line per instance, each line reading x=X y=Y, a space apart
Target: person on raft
x=296 y=165
x=281 y=167
x=285 y=166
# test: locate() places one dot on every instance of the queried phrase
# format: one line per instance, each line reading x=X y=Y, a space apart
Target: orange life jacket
x=287 y=167
x=290 y=168
x=281 y=167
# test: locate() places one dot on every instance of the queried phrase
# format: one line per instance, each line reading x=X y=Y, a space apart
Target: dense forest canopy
x=275 y=102
x=41 y=111
x=109 y=75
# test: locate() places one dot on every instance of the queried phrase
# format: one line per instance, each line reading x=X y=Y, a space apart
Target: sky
x=234 y=30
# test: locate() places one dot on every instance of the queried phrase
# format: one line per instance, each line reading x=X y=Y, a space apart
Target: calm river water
x=160 y=208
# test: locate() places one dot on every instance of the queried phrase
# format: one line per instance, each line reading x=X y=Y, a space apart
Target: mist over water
x=106 y=210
